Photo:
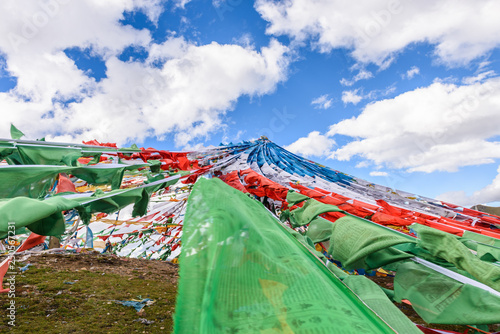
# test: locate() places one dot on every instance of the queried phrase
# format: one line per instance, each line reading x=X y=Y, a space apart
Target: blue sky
x=403 y=94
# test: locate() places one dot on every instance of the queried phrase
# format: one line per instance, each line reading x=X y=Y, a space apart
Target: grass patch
x=46 y=304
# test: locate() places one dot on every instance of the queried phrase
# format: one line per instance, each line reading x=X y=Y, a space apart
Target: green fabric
x=370 y=293
x=15 y=133
x=361 y=244
x=14 y=158
x=87 y=151
x=155 y=165
x=353 y=241
x=420 y=252
x=135 y=167
x=6 y=149
x=117 y=199
x=49 y=155
x=488 y=253
x=284 y=216
x=484 y=239
x=44 y=217
x=99 y=176
x=378 y=301
x=336 y=270
x=95 y=159
x=241 y=272
x=28 y=181
x=310 y=210
x=293 y=197
x=34 y=181
x=131 y=149
x=448 y=247
x=41 y=217
x=5 y=152
x=320 y=230
x=153 y=178
x=306 y=242
x=487 y=248
x=423 y=253
x=441 y=300
x=113 y=201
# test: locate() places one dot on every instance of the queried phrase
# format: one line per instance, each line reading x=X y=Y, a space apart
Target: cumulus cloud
x=414 y=70
x=361 y=75
x=35 y=33
x=181 y=3
x=376 y=30
x=197 y=147
x=182 y=88
x=378 y=173
x=355 y=96
x=436 y=128
x=351 y=96
x=479 y=77
x=315 y=144
x=322 y=102
x=490 y=193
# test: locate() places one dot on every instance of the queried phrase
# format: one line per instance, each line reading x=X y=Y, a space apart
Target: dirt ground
x=108 y=263
x=76 y=293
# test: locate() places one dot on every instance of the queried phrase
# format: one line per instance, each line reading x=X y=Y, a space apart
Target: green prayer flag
x=320 y=230
x=361 y=244
x=28 y=181
x=242 y=272
x=45 y=217
x=449 y=248
x=293 y=197
x=309 y=211
x=49 y=155
x=42 y=217
x=15 y=133
x=6 y=149
x=440 y=299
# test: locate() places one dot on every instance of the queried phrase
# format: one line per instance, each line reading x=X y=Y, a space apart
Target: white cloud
x=377 y=93
x=414 y=70
x=490 y=193
x=483 y=66
x=376 y=30
x=478 y=78
x=33 y=35
x=186 y=96
x=363 y=164
x=377 y=173
x=226 y=139
x=437 y=128
x=217 y=3
x=351 y=96
x=181 y=3
x=322 y=102
x=197 y=147
x=356 y=95
x=238 y=135
x=152 y=8
x=245 y=40
x=315 y=144
x=361 y=75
